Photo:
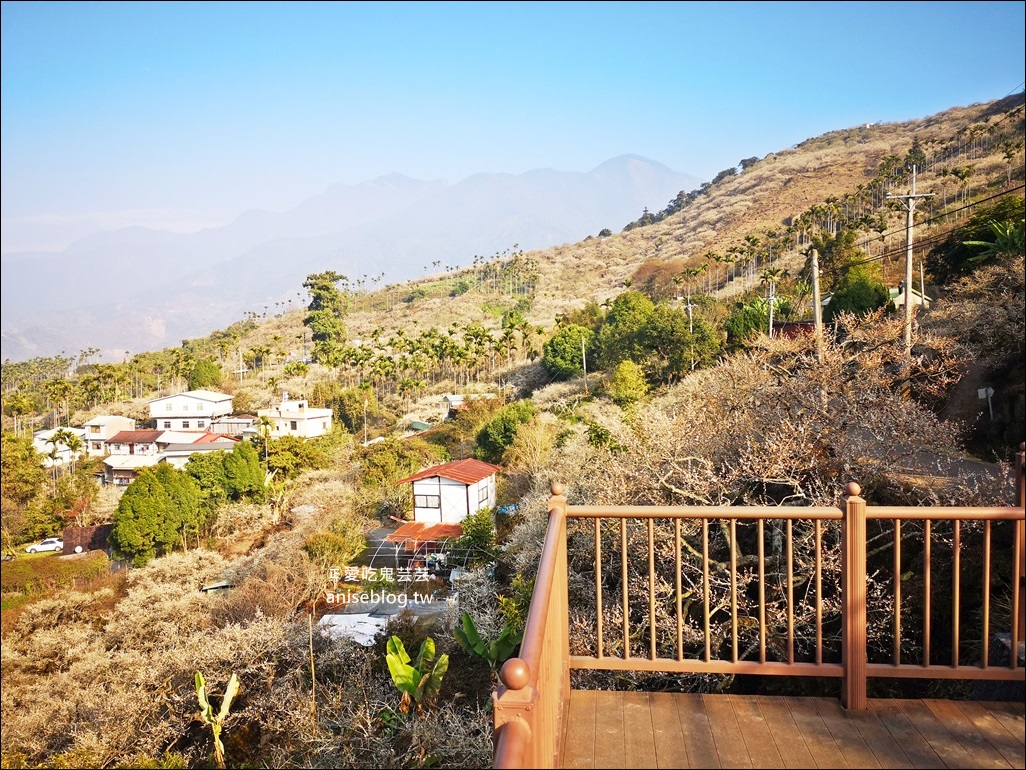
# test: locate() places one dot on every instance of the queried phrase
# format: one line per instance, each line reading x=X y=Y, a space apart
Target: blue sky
x=185 y=114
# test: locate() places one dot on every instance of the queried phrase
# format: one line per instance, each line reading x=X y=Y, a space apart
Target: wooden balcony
x=771 y=591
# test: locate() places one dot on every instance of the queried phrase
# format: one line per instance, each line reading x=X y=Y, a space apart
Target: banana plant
x=216 y=722
x=418 y=680
x=497 y=651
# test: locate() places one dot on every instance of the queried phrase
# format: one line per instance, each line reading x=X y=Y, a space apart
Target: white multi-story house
x=293 y=417
x=99 y=429
x=191 y=410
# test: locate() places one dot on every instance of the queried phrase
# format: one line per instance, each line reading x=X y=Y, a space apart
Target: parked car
x=50 y=544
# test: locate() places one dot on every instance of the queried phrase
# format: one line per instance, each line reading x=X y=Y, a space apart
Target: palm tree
x=264 y=425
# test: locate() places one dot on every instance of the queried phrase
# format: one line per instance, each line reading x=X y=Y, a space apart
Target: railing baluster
x=1017 y=608
x=790 y=593
x=625 y=598
x=733 y=586
x=985 y=642
x=956 y=568
x=598 y=583
x=897 y=593
x=927 y=537
x=651 y=590
x=705 y=588
x=760 y=529
x=853 y=588
x=819 y=593
x=680 y=608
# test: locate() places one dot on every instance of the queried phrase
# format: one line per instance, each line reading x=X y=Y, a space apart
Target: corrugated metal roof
x=135 y=437
x=463 y=471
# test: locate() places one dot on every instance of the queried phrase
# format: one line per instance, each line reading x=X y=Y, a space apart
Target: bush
x=859 y=291
x=561 y=355
x=498 y=435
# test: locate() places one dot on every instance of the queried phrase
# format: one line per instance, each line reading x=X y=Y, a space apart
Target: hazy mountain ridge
x=96 y=293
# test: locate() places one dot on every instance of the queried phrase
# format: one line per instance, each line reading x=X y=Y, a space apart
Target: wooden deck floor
x=683 y=730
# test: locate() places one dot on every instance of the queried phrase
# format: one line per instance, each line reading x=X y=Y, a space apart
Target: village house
x=56 y=453
x=99 y=429
x=191 y=410
x=897 y=297
x=293 y=417
x=448 y=493
x=131 y=451
x=233 y=424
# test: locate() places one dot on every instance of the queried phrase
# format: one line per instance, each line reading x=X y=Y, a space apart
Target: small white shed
x=450 y=492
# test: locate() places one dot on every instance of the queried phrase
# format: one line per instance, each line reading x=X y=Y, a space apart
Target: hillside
x=141 y=290
x=767 y=197
x=678 y=409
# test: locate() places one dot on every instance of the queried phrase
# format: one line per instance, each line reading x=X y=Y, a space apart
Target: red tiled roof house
x=448 y=493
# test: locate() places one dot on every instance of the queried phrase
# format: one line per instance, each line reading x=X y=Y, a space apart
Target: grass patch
x=33 y=575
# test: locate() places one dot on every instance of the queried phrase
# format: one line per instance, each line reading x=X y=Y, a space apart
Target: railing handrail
x=750 y=512
x=531 y=647
x=528 y=705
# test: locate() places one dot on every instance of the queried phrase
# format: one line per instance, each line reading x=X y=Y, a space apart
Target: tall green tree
x=619 y=337
x=498 y=434
x=563 y=356
x=157 y=511
x=205 y=374
x=207 y=470
x=21 y=481
x=185 y=516
x=139 y=522
x=326 y=315
x=244 y=477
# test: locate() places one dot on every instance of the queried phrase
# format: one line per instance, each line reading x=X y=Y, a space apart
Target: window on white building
x=427 y=501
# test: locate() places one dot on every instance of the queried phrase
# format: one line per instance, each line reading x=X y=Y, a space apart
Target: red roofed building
x=448 y=493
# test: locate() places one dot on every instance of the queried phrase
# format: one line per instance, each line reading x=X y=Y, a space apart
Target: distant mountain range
x=139 y=289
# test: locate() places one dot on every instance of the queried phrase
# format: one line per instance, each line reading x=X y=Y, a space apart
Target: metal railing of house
x=824 y=632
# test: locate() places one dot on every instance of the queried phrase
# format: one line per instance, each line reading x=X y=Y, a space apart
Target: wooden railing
x=530 y=704
x=756 y=624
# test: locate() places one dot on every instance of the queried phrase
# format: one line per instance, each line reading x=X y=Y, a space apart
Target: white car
x=50 y=544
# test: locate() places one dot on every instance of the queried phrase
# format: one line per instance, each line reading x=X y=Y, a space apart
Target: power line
x=928 y=241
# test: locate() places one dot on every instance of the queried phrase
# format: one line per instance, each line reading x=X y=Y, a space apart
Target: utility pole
x=909 y=202
x=817 y=306
x=584 y=366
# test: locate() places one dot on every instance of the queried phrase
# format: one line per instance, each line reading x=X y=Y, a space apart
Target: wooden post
x=853 y=589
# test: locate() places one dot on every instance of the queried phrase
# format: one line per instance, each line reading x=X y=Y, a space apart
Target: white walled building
x=101 y=428
x=294 y=417
x=59 y=453
x=191 y=410
x=450 y=492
